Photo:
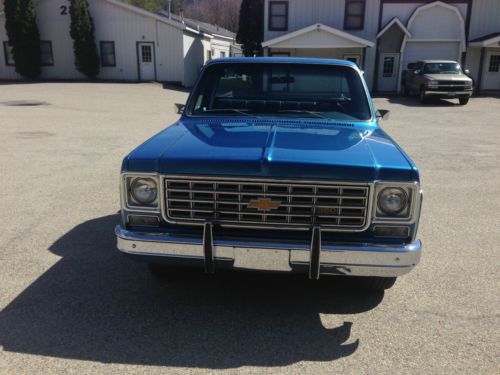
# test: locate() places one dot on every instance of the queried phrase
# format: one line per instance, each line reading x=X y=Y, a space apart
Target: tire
x=377 y=283
x=422 y=97
x=463 y=101
x=406 y=92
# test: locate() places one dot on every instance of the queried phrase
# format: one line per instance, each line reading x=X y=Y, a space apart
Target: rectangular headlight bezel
x=410 y=215
x=129 y=203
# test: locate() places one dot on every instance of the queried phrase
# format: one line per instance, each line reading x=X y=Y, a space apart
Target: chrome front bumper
x=450 y=93
x=314 y=258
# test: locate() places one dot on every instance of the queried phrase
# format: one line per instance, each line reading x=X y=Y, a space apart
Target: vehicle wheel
x=422 y=97
x=406 y=92
x=377 y=283
x=463 y=101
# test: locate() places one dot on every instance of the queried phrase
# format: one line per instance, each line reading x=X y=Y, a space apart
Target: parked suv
x=437 y=79
x=276 y=164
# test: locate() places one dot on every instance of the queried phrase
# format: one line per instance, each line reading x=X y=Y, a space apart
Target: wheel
x=463 y=101
x=422 y=97
x=377 y=283
x=406 y=91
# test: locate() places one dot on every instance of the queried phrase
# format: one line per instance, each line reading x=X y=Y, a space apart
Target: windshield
x=281 y=90
x=442 y=68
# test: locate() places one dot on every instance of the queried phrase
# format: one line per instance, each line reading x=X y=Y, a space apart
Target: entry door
x=388 y=72
x=491 y=71
x=146 y=54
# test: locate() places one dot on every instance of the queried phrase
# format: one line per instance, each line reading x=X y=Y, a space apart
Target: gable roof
x=486 y=40
x=394 y=21
x=352 y=41
x=439 y=4
x=146 y=13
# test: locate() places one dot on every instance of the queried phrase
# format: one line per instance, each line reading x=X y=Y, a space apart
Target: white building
x=483 y=51
x=133 y=44
x=383 y=36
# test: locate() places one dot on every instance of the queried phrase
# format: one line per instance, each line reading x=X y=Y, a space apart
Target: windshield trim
x=369 y=101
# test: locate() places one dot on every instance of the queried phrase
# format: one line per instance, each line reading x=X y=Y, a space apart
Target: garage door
x=415 y=51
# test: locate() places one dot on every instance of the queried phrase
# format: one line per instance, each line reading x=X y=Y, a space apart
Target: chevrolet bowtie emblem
x=263 y=204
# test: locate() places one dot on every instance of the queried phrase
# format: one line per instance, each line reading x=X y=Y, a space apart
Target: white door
x=146 y=54
x=388 y=72
x=491 y=71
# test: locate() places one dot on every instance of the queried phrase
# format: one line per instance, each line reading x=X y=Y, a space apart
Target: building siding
x=126 y=28
x=485 y=18
x=328 y=12
x=404 y=10
x=178 y=53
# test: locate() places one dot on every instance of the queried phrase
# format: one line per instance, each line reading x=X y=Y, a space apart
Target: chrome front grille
x=453 y=85
x=269 y=203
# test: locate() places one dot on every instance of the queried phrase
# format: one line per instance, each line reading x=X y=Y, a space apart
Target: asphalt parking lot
x=70 y=303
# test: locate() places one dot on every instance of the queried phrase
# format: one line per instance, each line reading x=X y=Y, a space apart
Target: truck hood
x=273 y=148
x=448 y=77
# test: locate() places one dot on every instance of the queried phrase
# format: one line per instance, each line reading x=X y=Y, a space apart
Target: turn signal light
x=142 y=220
x=396 y=232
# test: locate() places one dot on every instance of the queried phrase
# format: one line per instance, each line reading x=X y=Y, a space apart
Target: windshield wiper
x=222 y=110
x=313 y=113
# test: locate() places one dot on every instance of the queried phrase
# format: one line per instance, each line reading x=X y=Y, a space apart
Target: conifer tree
x=250 y=27
x=82 y=32
x=22 y=31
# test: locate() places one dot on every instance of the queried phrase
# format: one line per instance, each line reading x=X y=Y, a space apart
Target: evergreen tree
x=250 y=32
x=22 y=31
x=82 y=32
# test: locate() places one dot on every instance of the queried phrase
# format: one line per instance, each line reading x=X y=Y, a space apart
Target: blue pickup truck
x=276 y=164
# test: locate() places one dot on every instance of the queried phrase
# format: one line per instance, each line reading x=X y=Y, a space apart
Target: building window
x=147 y=54
x=278 y=15
x=108 y=57
x=209 y=54
x=222 y=54
x=353 y=58
x=9 y=56
x=388 y=67
x=46 y=57
x=354 y=18
x=494 y=66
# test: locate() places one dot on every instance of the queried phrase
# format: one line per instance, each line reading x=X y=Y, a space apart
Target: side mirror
x=417 y=72
x=179 y=108
x=466 y=71
x=382 y=114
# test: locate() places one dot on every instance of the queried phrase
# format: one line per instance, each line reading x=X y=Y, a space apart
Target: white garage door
x=415 y=51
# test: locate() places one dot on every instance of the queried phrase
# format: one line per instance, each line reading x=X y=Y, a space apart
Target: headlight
x=143 y=190
x=392 y=201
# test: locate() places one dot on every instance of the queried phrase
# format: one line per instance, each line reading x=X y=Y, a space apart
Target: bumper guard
x=314 y=258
